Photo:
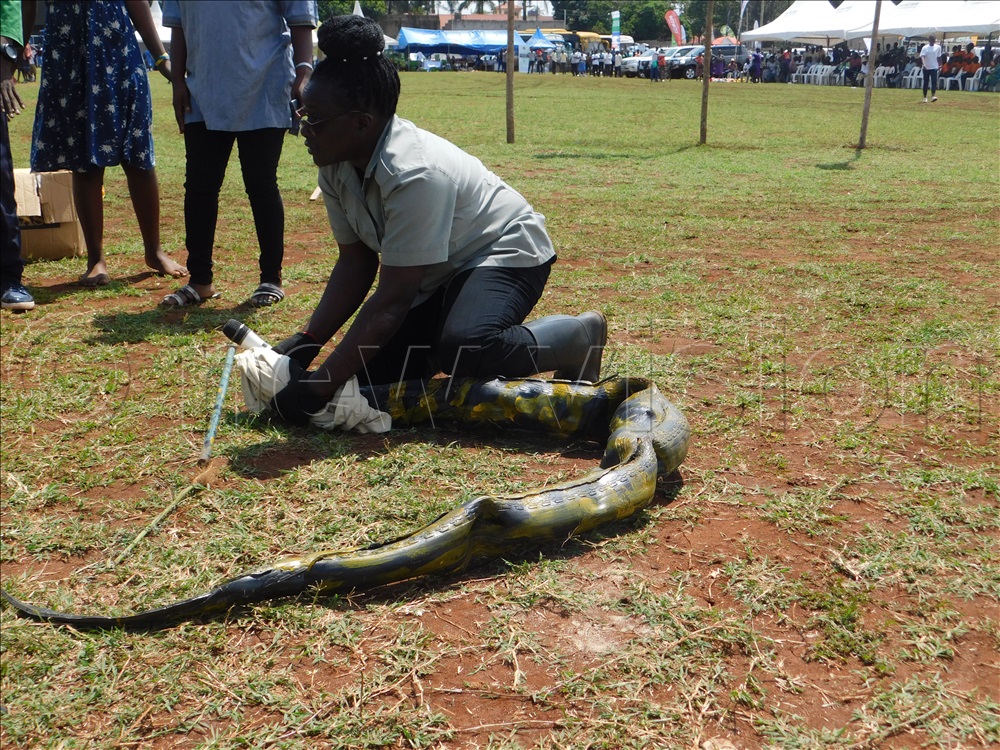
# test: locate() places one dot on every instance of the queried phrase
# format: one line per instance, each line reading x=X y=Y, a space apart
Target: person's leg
x=207 y=156
x=260 y=151
x=409 y=354
x=927 y=82
x=11 y=265
x=481 y=333
x=145 y=193
x=934 y=83
x=89 y=199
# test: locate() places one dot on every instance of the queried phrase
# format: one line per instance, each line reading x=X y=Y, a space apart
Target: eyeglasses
x=307 y=123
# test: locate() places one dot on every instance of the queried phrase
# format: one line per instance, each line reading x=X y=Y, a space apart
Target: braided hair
x=355 y=67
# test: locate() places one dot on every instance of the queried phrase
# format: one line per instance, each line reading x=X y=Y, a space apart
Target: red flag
x=674 y=24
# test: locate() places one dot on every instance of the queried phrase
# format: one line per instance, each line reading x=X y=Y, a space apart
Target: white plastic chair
x=817 y=74
x=945 y=83
x=878 y=80
x=800 y=71
x=914 y=79
x=974 y=83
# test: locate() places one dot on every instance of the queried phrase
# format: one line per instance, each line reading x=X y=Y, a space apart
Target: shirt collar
x=379 y=148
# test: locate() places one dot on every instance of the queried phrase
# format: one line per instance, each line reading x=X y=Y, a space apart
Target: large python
x=644 y=433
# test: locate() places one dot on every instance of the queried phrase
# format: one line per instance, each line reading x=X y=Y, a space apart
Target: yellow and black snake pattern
x=644 y=433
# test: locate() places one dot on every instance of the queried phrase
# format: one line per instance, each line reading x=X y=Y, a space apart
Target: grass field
x=824 y=572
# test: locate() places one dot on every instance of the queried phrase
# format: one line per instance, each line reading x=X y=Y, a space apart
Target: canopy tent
x=923 y=17
x=796 y=24
x=724 y=40
x=818 y=23
x=465 y=42
x=540 y=41
x=850 y=15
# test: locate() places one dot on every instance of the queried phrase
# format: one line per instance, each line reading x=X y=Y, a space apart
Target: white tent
x=850 y=16
x=796 y=24
x=816 y=21
x=923 y=17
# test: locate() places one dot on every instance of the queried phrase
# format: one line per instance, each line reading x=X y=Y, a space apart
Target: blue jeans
x=931 y=78
x=468 y=328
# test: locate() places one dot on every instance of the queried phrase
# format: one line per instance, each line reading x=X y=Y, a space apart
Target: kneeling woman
x=461 y=257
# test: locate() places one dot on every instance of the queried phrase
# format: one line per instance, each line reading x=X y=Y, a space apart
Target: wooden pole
x=511 y=64
x=870 y=78
x=706 y=71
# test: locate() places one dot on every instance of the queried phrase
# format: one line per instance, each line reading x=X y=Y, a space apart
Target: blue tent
x=470 y=42
x=427 y=41
x=540 y=41
x=492 y=40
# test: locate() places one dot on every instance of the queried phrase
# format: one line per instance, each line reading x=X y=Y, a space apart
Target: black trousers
x=207 y=158
x=931 y=80
x=468 y=328
x=11 y=264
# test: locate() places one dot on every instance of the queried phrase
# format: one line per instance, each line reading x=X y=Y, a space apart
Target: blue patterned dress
x=94 y=108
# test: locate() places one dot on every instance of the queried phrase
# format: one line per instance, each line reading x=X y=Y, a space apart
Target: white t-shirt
x=929 y=56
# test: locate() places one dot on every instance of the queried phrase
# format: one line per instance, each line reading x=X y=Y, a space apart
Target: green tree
x=371 y=8
x=727 y=13
x=459 y=7
x=478 y=6
x=586 y=15
x=644 y=20
x=398 y=7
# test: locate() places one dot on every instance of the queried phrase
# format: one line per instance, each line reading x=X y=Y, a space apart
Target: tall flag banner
x=674 y=24
x=743 y=7
x=616 y=29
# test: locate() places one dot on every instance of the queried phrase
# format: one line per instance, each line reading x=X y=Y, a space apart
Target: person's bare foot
x=97 y=275
x=164 y=264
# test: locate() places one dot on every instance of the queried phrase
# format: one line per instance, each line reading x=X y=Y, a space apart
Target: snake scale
x=644 y=434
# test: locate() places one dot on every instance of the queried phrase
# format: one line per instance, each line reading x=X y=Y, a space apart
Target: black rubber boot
x=573 y=347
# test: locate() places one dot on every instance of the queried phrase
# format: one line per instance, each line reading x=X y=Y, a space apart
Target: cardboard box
x=50 y=227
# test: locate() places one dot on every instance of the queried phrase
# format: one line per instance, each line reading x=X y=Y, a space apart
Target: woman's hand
x=298 y=401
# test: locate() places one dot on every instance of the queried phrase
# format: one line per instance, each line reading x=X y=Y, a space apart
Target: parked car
x=685 y=61
x=639 y=65
x=729 y=51
x=685 y=65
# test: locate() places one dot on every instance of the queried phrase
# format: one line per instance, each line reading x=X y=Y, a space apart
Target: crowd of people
x=851 y=66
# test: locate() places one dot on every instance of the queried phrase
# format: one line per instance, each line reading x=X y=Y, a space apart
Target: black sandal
x=266 y=295
x=186 y=296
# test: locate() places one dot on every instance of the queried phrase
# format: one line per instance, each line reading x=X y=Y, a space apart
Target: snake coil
x=645 y=435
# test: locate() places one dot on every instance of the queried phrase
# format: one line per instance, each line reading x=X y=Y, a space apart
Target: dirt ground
x=486 y=695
